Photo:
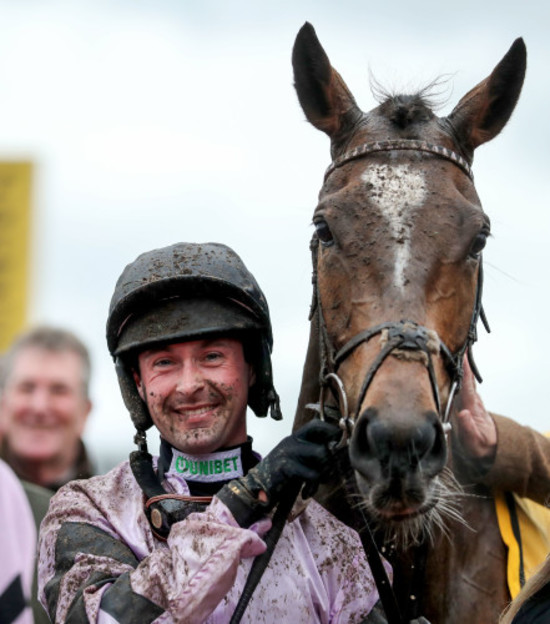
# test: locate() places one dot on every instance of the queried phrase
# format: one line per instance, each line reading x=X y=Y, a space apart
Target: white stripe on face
x=397 y=191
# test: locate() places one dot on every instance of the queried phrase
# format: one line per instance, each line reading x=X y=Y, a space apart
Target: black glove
x=303 y=457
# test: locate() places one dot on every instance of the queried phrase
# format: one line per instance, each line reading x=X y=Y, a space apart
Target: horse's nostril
x=422 y=440
x=361 y=442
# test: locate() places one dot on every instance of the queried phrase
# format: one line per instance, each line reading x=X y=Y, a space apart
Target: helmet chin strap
x=140 y=440
x=161 y=508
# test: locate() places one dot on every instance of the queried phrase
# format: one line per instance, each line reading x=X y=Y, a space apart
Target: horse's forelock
x=406 y=109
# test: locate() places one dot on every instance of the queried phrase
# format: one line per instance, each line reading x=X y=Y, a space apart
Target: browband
x=400 y=144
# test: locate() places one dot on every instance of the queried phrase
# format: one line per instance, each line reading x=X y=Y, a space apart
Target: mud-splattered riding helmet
x=184 y=292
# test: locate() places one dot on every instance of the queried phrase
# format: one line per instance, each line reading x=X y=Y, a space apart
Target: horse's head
x=397 y=251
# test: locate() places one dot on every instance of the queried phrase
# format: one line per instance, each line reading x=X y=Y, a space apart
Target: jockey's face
x=197 y=392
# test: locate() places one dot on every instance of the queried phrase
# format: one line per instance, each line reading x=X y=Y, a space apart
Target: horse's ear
x=323 y=95
x=484 y=111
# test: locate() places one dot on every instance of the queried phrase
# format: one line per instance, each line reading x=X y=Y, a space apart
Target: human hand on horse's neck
x=475 y=427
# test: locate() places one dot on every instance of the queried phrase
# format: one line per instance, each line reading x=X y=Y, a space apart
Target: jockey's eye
x=479 y=243
x=323 y=232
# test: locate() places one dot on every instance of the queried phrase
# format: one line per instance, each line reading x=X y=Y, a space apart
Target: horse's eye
x=323 y=232
x=479 y=243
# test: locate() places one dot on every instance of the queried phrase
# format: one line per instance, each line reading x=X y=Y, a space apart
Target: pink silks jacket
x=100 y=562
x=17 y=550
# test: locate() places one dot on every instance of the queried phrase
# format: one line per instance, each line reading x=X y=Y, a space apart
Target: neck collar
x=206 y=474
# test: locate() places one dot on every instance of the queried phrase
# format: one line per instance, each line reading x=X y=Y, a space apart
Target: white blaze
x=397 y=190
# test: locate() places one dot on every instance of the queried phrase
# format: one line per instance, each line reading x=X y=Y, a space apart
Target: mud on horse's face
x=399 y=234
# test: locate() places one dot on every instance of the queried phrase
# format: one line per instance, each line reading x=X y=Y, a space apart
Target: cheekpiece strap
x=401 y=144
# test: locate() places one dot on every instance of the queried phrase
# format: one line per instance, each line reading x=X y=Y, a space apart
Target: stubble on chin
x=199 y=439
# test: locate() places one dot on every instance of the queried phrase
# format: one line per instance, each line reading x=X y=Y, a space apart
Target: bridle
x=405 y=338
x=419 y=342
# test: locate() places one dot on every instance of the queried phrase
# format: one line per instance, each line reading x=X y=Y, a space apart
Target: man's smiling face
x=44 y=408
x=197 y=392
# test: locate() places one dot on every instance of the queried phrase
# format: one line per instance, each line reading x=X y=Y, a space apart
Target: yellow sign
x=15 y=220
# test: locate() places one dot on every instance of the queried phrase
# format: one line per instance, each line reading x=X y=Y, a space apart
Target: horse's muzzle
x=397 y=450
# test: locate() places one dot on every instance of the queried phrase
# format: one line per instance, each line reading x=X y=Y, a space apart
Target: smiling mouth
x=195 y=412
x=39 y=426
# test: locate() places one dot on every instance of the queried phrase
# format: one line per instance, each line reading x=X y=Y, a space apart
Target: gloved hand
x=303 y=457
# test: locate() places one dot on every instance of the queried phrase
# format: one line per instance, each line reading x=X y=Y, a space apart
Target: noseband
x=406 y=338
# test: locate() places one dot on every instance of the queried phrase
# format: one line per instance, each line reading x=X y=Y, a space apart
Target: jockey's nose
x=190 y=379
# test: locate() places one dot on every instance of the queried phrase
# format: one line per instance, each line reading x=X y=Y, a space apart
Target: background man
x=44 y=405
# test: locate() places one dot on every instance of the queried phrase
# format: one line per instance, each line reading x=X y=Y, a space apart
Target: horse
x=397 y=280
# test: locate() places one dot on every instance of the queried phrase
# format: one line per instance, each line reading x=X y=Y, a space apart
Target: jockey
x=173 y=538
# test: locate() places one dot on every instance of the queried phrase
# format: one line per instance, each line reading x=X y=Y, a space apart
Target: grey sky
x=153 y=122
